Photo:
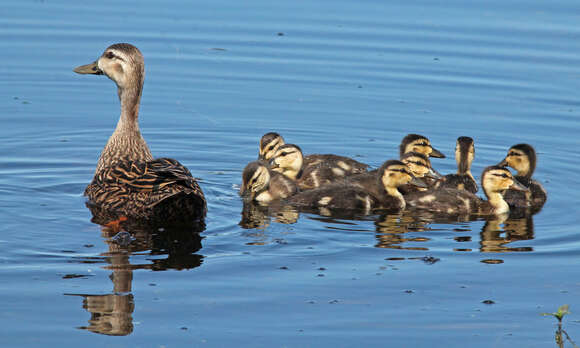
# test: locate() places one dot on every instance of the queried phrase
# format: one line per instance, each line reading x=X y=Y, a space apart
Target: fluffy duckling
x=463 y=180
x=290 y=161
x=418 y=143
x=522 y=158
x=127 y=180
x=269 y=144
x=391 y=175
x=263 y=185
x=494 y=180
x=417 y=163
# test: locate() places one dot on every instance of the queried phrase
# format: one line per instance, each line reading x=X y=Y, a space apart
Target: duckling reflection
x=392 y=231
x=494 y=237
x=112 y=314
x=256 y=215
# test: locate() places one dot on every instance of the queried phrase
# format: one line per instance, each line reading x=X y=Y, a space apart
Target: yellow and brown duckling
x=269 y=144
x=464 y=155
x=127 y=180
x=290 y=161
x=495 y=180
x=263 y=185
x=418 y=143
x=417 y=163
x=391 y=175
x=522 y=158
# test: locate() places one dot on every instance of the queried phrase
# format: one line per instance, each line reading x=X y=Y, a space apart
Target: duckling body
x=289 y=161
x=450 y=201
x=522 y=158
x=346 y=164
x=354 y=197
x=263 y=185
x=463 y=179
x=417 y=163
x=127 y=179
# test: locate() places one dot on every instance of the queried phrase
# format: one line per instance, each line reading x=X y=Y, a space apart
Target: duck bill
x=518 y=186
x=246 y=194
x=503 y=163
x=92 y=68
x=433 y=174
x=418 y=182
x=436 y=153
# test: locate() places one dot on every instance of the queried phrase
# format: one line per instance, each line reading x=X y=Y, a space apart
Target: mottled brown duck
x=128 y=181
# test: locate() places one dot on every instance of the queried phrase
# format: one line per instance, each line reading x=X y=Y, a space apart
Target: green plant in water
x=560 y=314
x=562 y=311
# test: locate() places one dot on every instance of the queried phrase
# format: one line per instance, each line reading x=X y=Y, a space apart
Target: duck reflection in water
x=494 y=237
x=256 y=215
x=112 y=314
x=403 y=230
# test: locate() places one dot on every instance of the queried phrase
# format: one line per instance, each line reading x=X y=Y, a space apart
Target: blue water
x=344 y=77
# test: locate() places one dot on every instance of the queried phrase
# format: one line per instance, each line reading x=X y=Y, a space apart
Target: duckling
x=289 y=161
x=263 y=185
x=391 y=175
x=127 y=180
x=418 y=143
x=463 y=180
x=269 y=144
x=494 y=180
x=522 y=158
x=416 y=162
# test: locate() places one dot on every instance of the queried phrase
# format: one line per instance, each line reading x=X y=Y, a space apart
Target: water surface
x=341 y=77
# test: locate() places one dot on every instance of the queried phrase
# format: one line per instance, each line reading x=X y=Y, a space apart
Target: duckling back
x=343 y=164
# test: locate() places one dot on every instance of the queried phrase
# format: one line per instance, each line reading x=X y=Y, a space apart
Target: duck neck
x=130 y=99
x=497 y=202
x=126 y=142
x=394 y=192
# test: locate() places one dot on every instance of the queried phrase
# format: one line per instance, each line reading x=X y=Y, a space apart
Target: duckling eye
x=110 y=55
x=270 y=148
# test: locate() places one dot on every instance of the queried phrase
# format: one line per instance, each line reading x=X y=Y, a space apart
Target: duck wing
x=136 y=187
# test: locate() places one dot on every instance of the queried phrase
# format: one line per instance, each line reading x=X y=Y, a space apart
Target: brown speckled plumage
x=127 y=180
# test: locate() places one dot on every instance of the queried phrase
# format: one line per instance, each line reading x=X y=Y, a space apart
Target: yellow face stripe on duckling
x=396 y=175
x=269 y=144
x=518 y=160
x=288 y=160
x=255 y=179
x=498 y=180
x=417 y=165
x=419 y=145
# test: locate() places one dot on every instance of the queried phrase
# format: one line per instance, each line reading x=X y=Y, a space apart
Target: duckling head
x=393 y=174
x=269 y=144
x=255 y=179
x=496 y=179
x=418 y=143
x=288 y=160
x=419 y=165
x=522 y=158
x=464 y=154
x=122 y=63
